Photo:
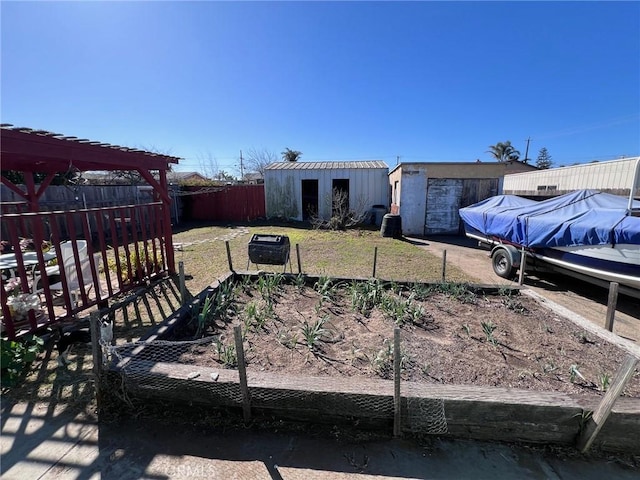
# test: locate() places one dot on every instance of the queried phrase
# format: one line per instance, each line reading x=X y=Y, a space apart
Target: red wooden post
x=95 y=274
x=166 y=209
x=103 y=248
x=31 y=192
x=115 y=244
x=131 y=214
x=155 y=236
x=141 y=221
x=38 y=238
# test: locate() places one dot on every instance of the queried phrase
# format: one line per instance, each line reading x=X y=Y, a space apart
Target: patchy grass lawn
x=329 y=253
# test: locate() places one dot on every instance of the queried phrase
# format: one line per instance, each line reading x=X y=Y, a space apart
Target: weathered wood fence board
x=73 y=197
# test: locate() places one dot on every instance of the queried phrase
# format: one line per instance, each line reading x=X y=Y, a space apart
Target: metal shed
x=613 y=176
x=299 y=190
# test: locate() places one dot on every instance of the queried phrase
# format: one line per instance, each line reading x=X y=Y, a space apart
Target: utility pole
x=526 y=153
x=241 y=167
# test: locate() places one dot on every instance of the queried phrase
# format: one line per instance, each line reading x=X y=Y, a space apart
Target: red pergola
x=39 y=151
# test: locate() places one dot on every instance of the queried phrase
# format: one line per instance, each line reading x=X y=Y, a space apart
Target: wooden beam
x=96 y=350
x=599 y=417
x=166 y=221
x=444 y=265
x=611 y=306
x=157 y=186
x=242 y=372
x=45 y=183
x=484 y=413
x=375 y=261
x=13 y=187
x=31 y=192
x=397 y=399
x=26 y=151
x=226 y=243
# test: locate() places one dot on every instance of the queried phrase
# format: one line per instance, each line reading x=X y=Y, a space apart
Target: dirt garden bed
x=451 y=334
x=479 y=362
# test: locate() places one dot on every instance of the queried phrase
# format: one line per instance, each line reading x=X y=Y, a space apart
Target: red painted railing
x=125 y=246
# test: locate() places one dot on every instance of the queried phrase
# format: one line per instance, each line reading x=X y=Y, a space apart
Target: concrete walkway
x=38 y=443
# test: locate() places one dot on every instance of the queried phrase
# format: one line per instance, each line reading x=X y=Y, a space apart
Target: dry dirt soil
x=448 y=337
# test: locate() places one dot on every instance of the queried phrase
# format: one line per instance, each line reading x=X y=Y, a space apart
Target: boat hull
x=611 y=263
x=606 y=263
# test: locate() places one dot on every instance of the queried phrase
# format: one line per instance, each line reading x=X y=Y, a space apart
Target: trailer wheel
x=503 y=265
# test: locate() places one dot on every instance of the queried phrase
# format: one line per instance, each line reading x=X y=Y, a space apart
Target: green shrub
x=17 y=355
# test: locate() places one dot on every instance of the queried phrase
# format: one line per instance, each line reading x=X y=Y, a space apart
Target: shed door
x=340 y=196
x=309 y=199
x=443 y=202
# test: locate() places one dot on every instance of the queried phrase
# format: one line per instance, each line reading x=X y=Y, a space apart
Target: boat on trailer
x=591 y=235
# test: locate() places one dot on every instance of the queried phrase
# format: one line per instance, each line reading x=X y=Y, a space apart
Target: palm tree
x=504 y=152
x=291 y=155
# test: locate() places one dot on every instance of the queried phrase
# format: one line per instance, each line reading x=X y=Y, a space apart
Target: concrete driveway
x=580 y=297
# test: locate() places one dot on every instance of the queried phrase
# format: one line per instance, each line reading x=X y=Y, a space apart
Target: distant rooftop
x=326 y=165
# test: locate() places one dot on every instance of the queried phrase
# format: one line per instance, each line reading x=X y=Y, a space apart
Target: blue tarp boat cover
x=583 y=217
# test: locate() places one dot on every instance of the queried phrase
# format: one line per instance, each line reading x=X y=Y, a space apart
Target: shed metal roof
x=371 y=164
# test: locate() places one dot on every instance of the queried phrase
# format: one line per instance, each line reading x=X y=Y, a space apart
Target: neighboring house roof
x=253 y=176
x=326 y=165
x=110 y=178
x=183 y=176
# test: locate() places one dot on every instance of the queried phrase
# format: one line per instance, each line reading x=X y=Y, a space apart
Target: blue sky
x=425 y=81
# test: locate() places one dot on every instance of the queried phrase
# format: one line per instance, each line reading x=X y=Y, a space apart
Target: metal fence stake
x=298 y=257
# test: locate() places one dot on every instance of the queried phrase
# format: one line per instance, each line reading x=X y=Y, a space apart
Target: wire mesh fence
x=166 y=370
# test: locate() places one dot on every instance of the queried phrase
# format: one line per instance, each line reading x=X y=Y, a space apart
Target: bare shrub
x=342 y=217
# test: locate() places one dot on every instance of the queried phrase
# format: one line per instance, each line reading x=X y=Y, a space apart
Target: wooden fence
x=233 y=203
x=72 y=197
x=229 y=203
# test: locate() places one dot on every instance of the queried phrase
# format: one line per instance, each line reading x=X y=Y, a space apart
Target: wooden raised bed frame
x=485 y=413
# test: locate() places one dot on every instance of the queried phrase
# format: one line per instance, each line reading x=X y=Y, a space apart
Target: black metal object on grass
x=265 y=249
